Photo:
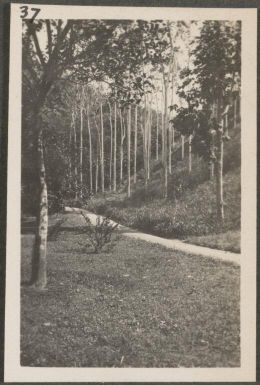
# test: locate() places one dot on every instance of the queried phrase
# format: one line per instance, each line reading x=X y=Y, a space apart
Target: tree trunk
x=163 y=129
x=97 y=166
x=102 y=149
x=115 y=143
x=157 y=134
x=219 y=166
x=81 y=153
x=170 y=150
x=129 y=153
x=111 y=148
x=90 y=154
x=182 y=146
x=122 y=139
x=75 y=158
x=70 y=163
x=190 y=153
x=165 y=140
x=235 y=112
x=135 y=142
x=39 y=260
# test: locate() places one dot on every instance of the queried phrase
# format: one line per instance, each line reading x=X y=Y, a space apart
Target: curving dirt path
x=173 y=244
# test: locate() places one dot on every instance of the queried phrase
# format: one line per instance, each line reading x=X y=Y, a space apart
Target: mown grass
x=139 y=305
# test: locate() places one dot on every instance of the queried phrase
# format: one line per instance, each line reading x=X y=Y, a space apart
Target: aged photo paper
x=131 y=203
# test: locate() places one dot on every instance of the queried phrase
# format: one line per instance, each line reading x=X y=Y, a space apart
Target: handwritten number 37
x=25 y=12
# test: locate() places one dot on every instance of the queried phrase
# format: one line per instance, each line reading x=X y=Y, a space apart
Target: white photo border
x=13 y=371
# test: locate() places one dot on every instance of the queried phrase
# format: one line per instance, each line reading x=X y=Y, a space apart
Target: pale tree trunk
x=97 y=166
x=115 y=143
x=235 y=112
x=145 y=143
x=75 y=157
x=170 y=150
x=111 y=147
x=98 y=154
x=163 y=129
x=90 y=153
x=165 y=139
x=157 y=129
x=148 y=141
x=182 y=146
x=219 y=168
x=81 y=153
x=70 y=163
x=190 y=153
x=129 y=153
x=39 y=260
x=122 y=139
x=102 y=149
x=135 y=142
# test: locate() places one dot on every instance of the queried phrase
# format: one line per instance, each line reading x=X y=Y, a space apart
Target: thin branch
x=32 y=32
x=49 y=36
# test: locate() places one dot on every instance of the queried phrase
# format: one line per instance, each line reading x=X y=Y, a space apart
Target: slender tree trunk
x=122 y=139
x=111 y=148
x=145 y=147
x=157 y=130
x=182 y=146
x=170 y=150
x=219 y=167
x=90 y=154
x=163 y=129
x=129 y=153
x=135 y=142
x=235 y=112
x=165 y=140
x=190 y=153
x=75 y=158
x=102 y=150
x=81 y=152
x=148 y=142
x=39 y=260
x=70 y=163
x=97 y=167
x=115 y=143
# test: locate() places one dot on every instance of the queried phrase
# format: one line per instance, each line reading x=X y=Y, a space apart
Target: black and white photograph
x=131 y=205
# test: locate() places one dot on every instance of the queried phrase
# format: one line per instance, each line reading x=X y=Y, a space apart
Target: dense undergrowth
x=191 y=205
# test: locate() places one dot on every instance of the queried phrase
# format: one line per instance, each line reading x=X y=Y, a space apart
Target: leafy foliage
x=101 y=234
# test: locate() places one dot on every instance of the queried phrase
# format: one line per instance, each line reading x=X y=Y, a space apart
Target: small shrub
x=100 y=234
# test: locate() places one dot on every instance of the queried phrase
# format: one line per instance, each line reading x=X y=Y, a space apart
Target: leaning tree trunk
x=128 y=153
x=39 y=259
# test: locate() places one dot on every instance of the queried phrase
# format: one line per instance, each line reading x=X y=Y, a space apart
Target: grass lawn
x=229 y=241
x=140 y=305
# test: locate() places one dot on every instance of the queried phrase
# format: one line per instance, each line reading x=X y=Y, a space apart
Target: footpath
x=173 y=244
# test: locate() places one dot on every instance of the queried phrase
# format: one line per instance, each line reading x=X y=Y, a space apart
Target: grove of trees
x=104 y=99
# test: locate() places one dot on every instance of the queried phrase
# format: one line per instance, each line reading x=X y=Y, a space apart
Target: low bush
x=101 y=234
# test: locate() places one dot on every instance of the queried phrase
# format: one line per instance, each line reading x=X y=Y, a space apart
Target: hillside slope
x=190 y=209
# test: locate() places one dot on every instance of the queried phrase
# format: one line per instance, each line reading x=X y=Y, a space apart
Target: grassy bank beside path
x=139 y=305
